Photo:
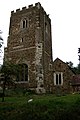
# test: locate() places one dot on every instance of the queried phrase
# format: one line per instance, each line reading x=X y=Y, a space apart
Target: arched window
x=24 y=23
x=23 y=72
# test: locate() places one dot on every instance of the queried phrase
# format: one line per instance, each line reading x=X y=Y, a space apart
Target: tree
x=78 y=69
x=70 y=64
x=1 y=44
x=1 y=39
x=9 y=72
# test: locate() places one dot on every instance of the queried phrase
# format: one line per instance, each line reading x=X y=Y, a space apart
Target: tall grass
x=43 y=107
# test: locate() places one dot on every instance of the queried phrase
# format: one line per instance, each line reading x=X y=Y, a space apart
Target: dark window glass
x=60 y=79
x=56 y=79
x=23 y=23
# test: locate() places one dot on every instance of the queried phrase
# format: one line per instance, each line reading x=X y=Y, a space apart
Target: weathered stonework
x=61 y=67
x=30 y=43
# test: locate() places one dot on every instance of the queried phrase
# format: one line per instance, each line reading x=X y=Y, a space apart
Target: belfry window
x=58 y=78
x=24 y=23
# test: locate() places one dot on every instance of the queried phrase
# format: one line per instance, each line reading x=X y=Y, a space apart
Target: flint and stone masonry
x=30 y=45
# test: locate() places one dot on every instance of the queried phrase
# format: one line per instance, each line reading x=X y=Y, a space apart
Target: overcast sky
x=65 y=19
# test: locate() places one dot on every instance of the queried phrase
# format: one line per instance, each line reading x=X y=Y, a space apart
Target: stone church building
x=30 y=45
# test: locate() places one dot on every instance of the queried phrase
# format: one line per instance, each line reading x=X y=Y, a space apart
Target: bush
x=28 y=92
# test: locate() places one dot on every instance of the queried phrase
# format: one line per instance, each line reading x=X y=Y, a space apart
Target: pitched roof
x=57 y=60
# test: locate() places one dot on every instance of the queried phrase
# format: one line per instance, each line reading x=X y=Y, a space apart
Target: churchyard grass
x=42 y=107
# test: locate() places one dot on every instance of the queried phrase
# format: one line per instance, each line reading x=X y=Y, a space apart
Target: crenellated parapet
x=38 y=5
x=30 y=7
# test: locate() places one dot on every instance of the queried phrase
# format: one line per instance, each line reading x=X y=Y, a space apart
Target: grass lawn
x=43 y=107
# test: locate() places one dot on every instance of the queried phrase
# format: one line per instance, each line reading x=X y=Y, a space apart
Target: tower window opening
x=24 y=24
x=21 y=40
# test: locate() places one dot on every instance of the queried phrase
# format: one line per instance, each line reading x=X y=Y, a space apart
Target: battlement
x=38 y=5
x=29 y=47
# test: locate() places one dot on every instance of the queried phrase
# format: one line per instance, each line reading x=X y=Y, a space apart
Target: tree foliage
x=10 y=72
x=70 y=64
x=76 y=69
x=1 y=39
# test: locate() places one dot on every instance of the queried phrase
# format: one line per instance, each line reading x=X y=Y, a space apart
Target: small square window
x=39 y=46
x=21 y=40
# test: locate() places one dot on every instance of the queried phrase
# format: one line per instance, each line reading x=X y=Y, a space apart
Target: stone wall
x=30 y=42
x=60 y=66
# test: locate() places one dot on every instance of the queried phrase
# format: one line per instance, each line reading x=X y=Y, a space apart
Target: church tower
x=30 y=45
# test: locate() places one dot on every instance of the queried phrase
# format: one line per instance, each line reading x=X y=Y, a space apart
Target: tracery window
x=58 y=78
